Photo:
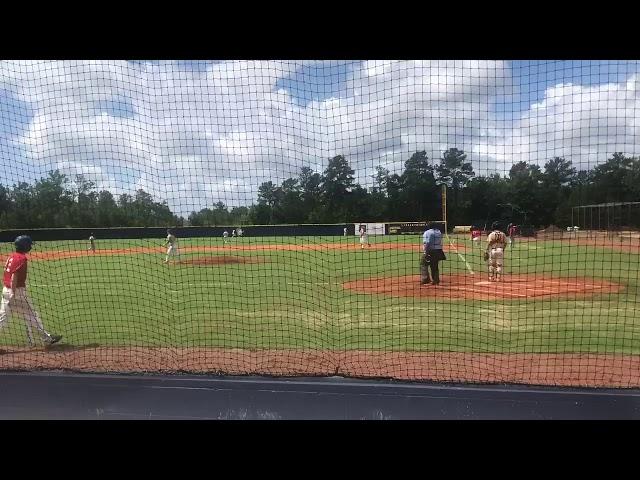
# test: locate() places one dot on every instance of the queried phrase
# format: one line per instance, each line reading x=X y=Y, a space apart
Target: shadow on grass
x=64 y=347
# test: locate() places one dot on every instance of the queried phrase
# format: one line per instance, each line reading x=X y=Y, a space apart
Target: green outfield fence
x=305 y=165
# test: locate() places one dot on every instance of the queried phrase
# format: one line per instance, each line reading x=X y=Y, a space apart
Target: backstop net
x=404 y=219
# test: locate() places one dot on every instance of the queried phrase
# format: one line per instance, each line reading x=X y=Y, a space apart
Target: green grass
x=295 y=300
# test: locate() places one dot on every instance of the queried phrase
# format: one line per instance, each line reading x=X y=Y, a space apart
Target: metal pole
x=444 y=206
x=572 y=217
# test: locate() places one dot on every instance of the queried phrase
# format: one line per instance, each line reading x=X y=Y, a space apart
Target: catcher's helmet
x=23 y=244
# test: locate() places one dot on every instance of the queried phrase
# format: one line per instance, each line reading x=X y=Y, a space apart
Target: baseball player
x=14 y=294
x=345 y=231
x=239 y=232
x=364 y=237
x=92 y=244
x=512 y=231
x=476 y=235
x=172 y=243
x=496 y=244
x=225 y=237
x=233 y=233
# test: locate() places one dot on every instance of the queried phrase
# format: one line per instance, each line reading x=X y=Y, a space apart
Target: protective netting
x=298 y=193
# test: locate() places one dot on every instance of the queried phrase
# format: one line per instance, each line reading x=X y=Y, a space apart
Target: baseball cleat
x=53 y=339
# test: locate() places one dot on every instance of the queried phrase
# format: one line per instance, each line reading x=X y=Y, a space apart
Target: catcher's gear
x=485 y=256
x=23 y=244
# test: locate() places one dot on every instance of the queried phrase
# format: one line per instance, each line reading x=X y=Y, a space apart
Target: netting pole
x=444 y=207
x=599 y=221
x=572 y=223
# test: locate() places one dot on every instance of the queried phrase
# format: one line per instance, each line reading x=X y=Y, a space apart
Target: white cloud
x=585 y=124
x=197 y=136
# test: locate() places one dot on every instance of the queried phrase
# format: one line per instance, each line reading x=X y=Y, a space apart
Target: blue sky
x=221 y=128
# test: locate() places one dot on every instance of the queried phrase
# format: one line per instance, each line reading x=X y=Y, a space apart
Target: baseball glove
x=485 y=256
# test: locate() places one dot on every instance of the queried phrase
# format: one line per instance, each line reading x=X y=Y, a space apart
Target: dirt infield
x=317 y=247
x=220 y=260
x=477 y=287
x=586 y=370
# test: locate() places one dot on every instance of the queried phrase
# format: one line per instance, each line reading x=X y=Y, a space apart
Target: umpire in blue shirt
x=433 y=255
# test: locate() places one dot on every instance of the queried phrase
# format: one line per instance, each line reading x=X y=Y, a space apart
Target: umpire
x=433 y=255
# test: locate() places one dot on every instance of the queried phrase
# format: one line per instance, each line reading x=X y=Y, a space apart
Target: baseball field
x=565 y=313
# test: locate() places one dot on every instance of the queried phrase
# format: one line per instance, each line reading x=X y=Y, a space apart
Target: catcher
x=494 y=253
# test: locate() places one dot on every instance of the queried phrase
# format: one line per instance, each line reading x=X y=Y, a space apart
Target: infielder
x=512 y=231
x=233 y=233
x=496 y=244
x=14 y=294
x=92 y=244
x=172 y=242
x=345 y=231
x=225 y=237
x=364 y=237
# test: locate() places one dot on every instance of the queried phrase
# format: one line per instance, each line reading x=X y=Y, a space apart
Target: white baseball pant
x=496 y=257
x=20 y=304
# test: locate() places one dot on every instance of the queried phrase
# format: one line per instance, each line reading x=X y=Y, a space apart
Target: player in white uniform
x=92 y=244
x=364 y=237
x=345 y=231
x=172 y=242
x=239 y=232
x=233 y=233
x=225 y=237
x=496 y=244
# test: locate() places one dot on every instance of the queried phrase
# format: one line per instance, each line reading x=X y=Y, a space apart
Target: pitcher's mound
x=478 y=287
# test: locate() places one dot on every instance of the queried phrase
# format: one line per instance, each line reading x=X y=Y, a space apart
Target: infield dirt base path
x=478 y=287
x=586 y=370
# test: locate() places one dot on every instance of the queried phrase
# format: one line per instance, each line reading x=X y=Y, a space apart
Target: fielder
x=494 y=253
x=14 y=294
x=225 y=237
x=345 y=231
x=364 y=237
x=512 y=230
x=233 y=233
x=92 y=244
x=172 y=242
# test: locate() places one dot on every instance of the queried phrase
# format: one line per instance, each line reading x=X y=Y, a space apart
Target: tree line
x=528 y=194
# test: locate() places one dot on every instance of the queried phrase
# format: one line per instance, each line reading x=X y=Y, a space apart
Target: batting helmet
x=495 y=226
x=23 y=244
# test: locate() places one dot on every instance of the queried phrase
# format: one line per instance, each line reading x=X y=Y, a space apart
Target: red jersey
x=476 y=233
x=512 y=231
x=16 y=265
